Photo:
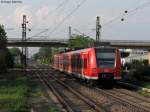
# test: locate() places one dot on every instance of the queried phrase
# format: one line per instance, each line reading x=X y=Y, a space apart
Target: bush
x=14 y=94
x=3 y=65
x=18 y=66
x=137 y=69
x=142 y=71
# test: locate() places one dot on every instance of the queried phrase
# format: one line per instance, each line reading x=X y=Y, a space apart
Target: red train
x=92 y=64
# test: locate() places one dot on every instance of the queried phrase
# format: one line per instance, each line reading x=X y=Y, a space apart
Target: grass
x=38 y=91
x=52 y=110
x=18 y=66
x=144 y=93
x=147 y=86
x=14 y=93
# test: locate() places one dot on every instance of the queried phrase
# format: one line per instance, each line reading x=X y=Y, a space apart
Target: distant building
x=136 y=55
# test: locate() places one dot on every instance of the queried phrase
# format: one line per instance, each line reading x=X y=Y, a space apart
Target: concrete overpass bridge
x=16 y=42
x=127 y=44
x=130 y=44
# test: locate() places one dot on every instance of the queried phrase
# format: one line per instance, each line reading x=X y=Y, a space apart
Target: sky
x=49 y=14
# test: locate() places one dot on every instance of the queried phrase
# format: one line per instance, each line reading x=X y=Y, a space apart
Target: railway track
x=129 y=85
x=131 y=96
x=71 y=100
x=111 y=100
x=91 y=99
x=134 y=104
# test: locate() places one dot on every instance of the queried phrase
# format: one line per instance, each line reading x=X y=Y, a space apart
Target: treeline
x=5 y=56
x=138 y=68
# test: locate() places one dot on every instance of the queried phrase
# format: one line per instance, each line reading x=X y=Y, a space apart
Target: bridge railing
x=38 y=40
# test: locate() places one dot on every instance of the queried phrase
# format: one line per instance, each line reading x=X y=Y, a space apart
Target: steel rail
x=85 y=99
x=62 y=101
x=129 y=94
x=124 y=101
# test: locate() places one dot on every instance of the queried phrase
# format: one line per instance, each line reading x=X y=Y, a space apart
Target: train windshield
x=105 y=58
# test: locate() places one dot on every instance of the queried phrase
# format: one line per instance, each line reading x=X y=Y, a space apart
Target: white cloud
x=19 y=12
x=42 y=13
x=2 y=20
x=48 y=17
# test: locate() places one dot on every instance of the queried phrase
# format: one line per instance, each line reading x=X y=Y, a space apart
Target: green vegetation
x=15 y=51
x=138 y=68
x=16 y=56
x=3 y=41
x=40 y=94
x=144 y=92
x=3 y=37
x=52 y=110
x=44 y=55
x=14 y=92
x=6 y=58
x=147 y=86
x=80 y=41
x=37 y=90
x=18 y=66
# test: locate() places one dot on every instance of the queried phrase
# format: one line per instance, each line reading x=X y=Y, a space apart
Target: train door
x=79 y=64
x=73 y=63
x=69 y=64
x=84 y=58
x=118 y=65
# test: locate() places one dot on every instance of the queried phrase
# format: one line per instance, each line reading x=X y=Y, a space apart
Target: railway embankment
x=41 y=99
x=138 y=79
x=14 y=92
x=21 y=91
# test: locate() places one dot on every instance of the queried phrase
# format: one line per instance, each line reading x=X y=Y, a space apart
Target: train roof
x=85 y=50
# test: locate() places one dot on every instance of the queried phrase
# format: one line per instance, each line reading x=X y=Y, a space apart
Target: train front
x=108 y=62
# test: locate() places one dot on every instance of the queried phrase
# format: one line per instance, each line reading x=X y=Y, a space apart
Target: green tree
x=3 y=37
x=80 y=41
x=15 y=51
x=45 y=52
x=15 y=56
x=35 y=56
x=44 y=55
x=9 y=59
x=3 y=41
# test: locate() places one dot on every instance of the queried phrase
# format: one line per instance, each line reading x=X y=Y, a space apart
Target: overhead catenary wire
x=58 y=7
x=84 y=34
x=130 y=12
x=80 y=32
x=45 y=30
x=67 y=17
x=45 y=17
x=127 y=13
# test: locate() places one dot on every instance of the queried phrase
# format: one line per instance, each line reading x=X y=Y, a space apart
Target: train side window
x=82 y=63
x=85 y=63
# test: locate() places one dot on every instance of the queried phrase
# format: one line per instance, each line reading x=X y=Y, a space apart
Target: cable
x=87 y=35
x=127 y=13
x=65 y=18
x=58 y=7
x=79 y=31
x=45 y=30
x=50 y=13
